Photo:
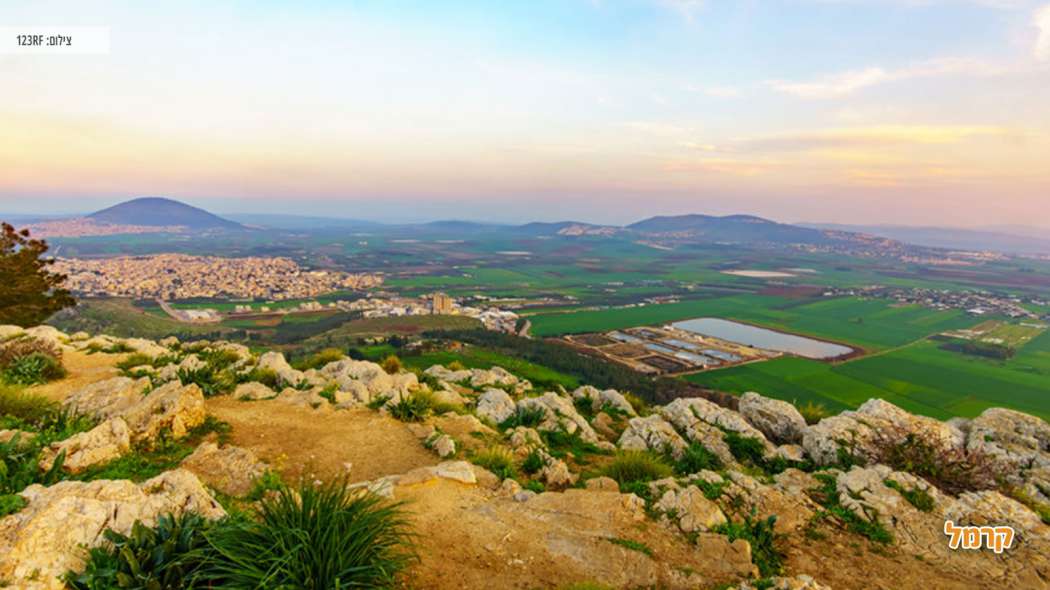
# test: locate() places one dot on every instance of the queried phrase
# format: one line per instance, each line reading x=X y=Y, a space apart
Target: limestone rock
x=107 y=398
x=253 y=391
x=990 y=508
x=652 y=433
x=229 y=469
x=276 y=362
x=24 y=437
x=686 y=413
x=48 y=334
x=523 y=437
x=444 y=445
x=146 y=347
x=601 y=399
x=690 y=509
x=47 y=538
x=777 y=419
x=8 y=331
x=559 y=415
x=602 y=484
x=173 y=408
x=495 y=405
x=103 y=443
x=555 y=472
x=451 y=376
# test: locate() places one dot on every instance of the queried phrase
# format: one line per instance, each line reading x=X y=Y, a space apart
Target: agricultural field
x=919 y=377
x=872 y=325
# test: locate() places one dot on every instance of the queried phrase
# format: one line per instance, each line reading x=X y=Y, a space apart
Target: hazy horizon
x=928 y=113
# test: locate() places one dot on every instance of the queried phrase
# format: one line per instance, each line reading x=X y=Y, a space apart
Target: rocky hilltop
x=510 y=486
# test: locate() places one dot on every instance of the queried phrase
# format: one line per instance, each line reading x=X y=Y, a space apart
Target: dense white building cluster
x=178 y=276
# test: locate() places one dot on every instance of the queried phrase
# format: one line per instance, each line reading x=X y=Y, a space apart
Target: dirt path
x=322 y=443
x=84 y=369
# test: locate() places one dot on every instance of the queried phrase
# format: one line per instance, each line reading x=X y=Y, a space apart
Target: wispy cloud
x=871 y=136
x=1041 y=20
x=687 y=8
x=846 y=83
x=722 y=91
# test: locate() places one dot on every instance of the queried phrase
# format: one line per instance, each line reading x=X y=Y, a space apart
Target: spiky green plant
x=313 y=538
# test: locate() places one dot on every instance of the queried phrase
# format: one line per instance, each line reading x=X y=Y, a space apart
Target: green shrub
x=759 y=534
x=32 y=369
x=696 y=458
x=20 y=466
x=211 y=381
x=455 y=366
x=561 y=444
x=529 y=417
x=165 y=557
x=264 y=375
x=267 y=482
x=26 y=407
x=498 y=460
x=311 y=537
x=11 y=503
x=533 y=462
x=391 y=364
x=415 y=407
x=632 y=545
x=633 y=469
x=535 y=486
x=827 y=495
x=813 y=412
x=918 y=498
x=133 y=360
x=640 y=405
x=320 y=359
x=951 y=470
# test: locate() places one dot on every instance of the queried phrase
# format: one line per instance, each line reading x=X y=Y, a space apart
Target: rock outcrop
x=48 y=537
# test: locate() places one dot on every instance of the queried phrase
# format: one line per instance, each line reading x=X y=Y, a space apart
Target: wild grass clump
x=211 y=380
x=813 y=412
x=320 y=359
x=918 y=498
x=456 y=366
x=498 y=460
x=20 y=468
x=632 y=545
x=269 y=481
x=164 y=557
x=29 y=361
x=533 y=462
x=633 y=470
x=827 y=495
x=311 y=537
x=25 y=408
x=641 y=407
x=529 y=417
x=696 y=458
x=264 y=375
x=391 y=364
x=561 y=444
x=415 y=407
x=759 y=534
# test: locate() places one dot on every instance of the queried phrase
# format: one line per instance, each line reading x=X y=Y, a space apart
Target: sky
x=913 y=112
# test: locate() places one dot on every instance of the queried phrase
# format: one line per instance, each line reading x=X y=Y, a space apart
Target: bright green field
x=920 y=378
x=871 y=324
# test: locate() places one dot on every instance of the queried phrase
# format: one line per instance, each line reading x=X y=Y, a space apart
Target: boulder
x=602 y=484
x=146 y=347
x=990 y=508
x=652 y=433
x=8 y=331
x=276 y=362
x=370 y=379
x=687 y=412
x=555 y=472
x=48 y=334
x=48 y=537
x=253 y=391
x=448 y=375
x=777 y=419
x=443 y=444
x=107 y=398
x=523 y=437
x=1016 y=439
x=495 y=405
x=559 y=414
x=229 y=469
x=690 y=510
x=601 y=399
x=102 y=444
x=173 y=408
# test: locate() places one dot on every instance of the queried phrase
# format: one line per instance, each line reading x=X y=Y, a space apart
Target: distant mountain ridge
x=951 y=238
x=161 y=212
x=730 y=228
